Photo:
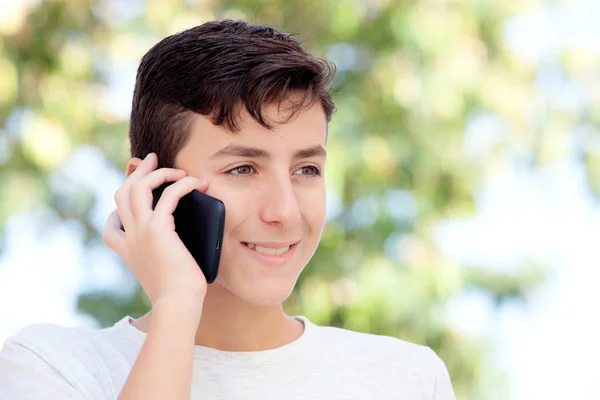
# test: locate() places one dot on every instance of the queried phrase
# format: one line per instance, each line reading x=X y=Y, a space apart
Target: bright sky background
x=550 y=345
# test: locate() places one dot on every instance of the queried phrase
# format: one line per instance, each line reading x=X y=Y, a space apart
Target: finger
x=141 y=191
x=171 y=195
x=122 y=195
x=147 y=165
x=124 y=208
x=113 y=236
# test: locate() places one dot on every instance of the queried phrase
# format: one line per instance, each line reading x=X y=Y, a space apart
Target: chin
x=259 y=286
x=265 y=298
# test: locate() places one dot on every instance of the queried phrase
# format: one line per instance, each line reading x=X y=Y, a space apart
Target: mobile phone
x=199 y=222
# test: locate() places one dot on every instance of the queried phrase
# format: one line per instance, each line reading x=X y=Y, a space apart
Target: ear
x=132 y=164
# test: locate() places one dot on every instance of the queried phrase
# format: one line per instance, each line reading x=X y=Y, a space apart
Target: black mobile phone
x=199 y=222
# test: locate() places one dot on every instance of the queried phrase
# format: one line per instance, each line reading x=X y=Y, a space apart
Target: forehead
x=308 y=128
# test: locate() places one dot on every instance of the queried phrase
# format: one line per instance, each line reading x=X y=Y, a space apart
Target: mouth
x=270 y=251
x=271 y=254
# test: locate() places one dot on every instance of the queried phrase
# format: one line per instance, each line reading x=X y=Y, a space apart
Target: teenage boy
x=240 y=112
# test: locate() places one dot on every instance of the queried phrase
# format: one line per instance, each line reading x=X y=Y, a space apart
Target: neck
x=230 y=324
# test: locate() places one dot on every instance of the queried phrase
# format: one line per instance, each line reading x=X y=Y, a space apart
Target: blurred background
x=463 y=174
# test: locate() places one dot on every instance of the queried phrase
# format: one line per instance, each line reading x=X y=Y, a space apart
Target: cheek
x=236 y=204
x=313 y=204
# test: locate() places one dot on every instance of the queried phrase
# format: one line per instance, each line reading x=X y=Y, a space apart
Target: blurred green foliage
x=410 y=75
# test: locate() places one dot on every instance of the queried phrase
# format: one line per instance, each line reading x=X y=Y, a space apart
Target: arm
x=167 y=272
x=443 y=386
x=163 y=368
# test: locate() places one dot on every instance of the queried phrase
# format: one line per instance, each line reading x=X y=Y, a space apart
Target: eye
x=242 y=170
x=308 y=170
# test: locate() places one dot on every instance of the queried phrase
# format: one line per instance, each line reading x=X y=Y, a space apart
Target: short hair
x=214 y=69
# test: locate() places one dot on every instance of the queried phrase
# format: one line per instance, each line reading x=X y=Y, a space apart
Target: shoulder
x=53 y=342
x=387 y=364
x=55 y=358
x=46 y=332
x=380 y=348
x=61 y=348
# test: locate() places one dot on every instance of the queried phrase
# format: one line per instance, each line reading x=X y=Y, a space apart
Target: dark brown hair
x=214 y=69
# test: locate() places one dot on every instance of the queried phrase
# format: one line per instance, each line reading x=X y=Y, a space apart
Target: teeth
x=267 y=250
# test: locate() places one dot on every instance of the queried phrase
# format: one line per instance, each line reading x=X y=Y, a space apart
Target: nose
x=280 y=206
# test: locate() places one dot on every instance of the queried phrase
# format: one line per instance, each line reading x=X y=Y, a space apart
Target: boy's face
x=273 y=188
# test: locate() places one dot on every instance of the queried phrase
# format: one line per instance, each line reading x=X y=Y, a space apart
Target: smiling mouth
x=268 y=250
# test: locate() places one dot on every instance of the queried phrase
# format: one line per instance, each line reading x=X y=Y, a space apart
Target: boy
x=239 y=112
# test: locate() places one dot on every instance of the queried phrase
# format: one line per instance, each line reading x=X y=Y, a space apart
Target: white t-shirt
x=46 y=361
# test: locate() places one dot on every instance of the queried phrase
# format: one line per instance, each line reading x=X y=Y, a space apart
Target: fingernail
x=148 y=156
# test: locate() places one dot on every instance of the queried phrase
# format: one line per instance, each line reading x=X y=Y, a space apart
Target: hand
x=149 y=244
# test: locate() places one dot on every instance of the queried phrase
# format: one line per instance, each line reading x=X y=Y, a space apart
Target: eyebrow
x=236 y=150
